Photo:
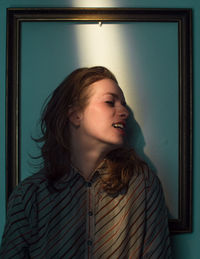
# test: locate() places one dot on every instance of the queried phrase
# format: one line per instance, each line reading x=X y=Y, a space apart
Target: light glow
x=102 y=44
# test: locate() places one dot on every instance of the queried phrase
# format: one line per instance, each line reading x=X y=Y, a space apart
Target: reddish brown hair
x=55 y=133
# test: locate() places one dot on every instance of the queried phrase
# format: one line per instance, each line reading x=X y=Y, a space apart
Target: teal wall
x=185 y=245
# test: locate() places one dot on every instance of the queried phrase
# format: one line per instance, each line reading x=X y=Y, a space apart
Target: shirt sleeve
x=157 y=240
x=17 y=229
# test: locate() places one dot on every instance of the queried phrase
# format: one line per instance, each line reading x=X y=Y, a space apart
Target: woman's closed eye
x=111 y=103
x=124 y=104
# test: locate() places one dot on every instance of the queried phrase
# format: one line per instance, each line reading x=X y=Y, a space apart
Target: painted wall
x=184 y=246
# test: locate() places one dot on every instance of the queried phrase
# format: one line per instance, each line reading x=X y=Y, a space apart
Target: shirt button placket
x=90 y=227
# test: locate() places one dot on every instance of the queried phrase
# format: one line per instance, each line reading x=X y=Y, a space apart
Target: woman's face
x=103 y=121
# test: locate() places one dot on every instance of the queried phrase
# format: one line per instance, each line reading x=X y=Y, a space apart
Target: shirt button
x=90 y=213
x=89 y=242
x=89 y=184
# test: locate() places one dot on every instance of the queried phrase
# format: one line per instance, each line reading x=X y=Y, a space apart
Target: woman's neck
x=86 y=162
x=86 y=154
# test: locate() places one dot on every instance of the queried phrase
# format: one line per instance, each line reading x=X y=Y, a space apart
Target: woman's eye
x=111 y=103
x=124 y=104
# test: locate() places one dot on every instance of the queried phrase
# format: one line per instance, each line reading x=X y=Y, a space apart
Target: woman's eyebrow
x=116 y=96
x=113 y=94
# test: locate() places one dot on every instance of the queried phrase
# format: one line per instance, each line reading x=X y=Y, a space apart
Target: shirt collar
x=74 y=172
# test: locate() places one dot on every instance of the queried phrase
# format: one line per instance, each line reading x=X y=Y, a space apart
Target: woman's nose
x=123 y=112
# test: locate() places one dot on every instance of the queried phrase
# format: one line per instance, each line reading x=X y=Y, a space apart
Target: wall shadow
x=135 y=139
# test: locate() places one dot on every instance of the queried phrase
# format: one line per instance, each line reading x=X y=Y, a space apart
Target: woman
x=94 y=197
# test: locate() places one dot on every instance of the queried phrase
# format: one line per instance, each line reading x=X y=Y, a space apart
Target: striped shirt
x=81 y=221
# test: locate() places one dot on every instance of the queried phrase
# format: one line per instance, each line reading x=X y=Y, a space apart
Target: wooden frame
x=16 y=16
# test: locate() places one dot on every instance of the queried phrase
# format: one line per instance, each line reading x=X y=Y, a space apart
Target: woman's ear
x=74 y=116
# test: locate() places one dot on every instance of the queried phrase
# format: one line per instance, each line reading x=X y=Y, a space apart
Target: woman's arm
x=17 y=229
x=157 y=240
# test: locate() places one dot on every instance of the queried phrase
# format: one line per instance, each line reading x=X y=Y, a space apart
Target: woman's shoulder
x=36 y=179
x=31 y=184
x=146 y=178
x=151 y=177
x=26 y=194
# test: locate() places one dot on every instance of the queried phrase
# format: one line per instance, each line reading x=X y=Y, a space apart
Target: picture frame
x=182 y=17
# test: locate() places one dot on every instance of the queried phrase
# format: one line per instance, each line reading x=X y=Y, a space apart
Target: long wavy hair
x=121 y=164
